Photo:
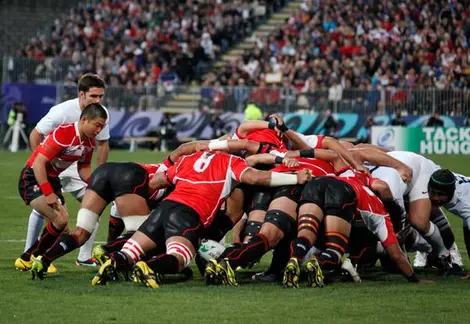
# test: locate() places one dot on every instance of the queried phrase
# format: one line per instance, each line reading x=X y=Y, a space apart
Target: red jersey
x=318 y=167
x=204 y=180
x=262 y=135
x=370 y=209
x=62 y=147
x=152 y=169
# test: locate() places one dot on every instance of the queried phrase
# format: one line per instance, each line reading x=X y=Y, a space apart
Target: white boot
x=455 y=256
x=421 y=259
x=348 y=266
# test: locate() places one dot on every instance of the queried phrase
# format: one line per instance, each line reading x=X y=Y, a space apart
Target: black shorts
x=29 y=189
x=112 y=179
x=256 y=197
x=170 y=219
x=292 y=192
x=333 y=196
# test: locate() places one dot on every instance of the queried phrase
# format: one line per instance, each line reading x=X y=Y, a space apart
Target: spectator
x=398 y=121
x=330 y=126
x=121 y=36
x=218 y=126
x=435 y=121
x=253 y=112
x=364 y=135
x=167 y=132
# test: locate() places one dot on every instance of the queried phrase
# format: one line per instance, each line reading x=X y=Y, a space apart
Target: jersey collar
x=77 y=133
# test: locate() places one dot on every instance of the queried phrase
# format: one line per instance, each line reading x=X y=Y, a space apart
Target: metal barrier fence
x=172 y=97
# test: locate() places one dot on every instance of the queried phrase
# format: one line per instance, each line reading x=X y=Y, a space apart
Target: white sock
x=433 y=236
x=35 y=224
x=85 y=251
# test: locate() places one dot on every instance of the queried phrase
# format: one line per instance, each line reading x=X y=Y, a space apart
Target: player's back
x=415 y=161
x=261 y=136
x=203 y=180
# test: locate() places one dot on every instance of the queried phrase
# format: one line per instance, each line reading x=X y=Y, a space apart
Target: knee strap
x=281 y=220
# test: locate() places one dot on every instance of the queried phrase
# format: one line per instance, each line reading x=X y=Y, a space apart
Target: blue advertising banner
x=37 y=98
x=198 y=124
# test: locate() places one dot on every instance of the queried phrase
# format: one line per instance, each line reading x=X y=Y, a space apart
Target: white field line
x=22 y=241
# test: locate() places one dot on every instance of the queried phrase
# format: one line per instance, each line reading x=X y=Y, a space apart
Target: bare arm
x=326 y=155
x=372 y=146
x=40 y=173
x=297 y=142
x=102 y=152
x=250 y=126
x=274 y=179
x=35 y=139
x=335 y=145
x=85 y=173
x=265 y=158
x=39 y=169
x=378 y=157
x=397 y=255
x=188 y=148
x=231 y=146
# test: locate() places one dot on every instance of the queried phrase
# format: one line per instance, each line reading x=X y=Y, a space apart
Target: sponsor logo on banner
x=426 y=140
x=445 y=141
x=386 y=137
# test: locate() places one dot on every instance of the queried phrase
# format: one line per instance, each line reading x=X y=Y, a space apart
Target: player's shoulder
x=66 y=105
x=64 y=134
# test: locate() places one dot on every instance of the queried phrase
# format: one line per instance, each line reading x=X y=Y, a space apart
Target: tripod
x=14 y=133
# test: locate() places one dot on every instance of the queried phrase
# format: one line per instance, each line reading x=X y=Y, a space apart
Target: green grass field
x=68 y=297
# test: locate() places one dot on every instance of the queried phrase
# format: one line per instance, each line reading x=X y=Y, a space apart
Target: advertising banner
x=426 y=140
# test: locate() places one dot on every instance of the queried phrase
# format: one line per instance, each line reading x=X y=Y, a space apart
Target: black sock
x=447 y=237
x=281 y=254
x=48 y=237
x=466 y=238
x=115 y=228
x=27 y=254
x=231 y=251
x=253 y=250
x=329 y=260
x=118 y=243
x=164 y=264
x=123 y=262
x=299 y=248
x=66 y=243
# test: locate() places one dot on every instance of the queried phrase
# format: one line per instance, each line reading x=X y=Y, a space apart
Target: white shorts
x=418 y=188
x=72 y=183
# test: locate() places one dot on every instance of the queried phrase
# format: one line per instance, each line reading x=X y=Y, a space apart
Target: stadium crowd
x=143 y=42
x=406 y=44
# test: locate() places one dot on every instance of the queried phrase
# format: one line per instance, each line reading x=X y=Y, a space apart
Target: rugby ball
x=210 y=249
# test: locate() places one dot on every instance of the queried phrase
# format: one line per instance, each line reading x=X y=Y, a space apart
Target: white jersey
x=67 y=112
x=460 y=203
x=422 y=168
x=392 y=178
x=313 y=141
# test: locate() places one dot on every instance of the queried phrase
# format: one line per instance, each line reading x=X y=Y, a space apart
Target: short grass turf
x=68 y=297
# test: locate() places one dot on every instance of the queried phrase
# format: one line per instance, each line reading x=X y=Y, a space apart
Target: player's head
x=92 y=120
x=441 y=187
x=90 y=89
